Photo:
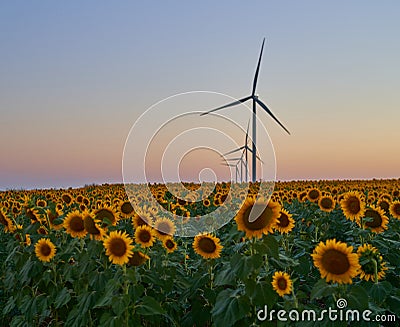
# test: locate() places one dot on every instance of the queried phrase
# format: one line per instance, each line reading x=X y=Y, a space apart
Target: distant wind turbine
x=255 y=101
x=236 y=169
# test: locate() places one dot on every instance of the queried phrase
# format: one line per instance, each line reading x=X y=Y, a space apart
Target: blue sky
x=76 y=75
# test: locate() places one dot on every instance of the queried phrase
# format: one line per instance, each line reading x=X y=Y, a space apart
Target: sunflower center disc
x=354 y=205
x=46 y=250
x=207 y=245
x=377 y=219
x=118 y=247
x=335 y=262
x=282 y=284
x=77 y=224
x=283 y=220
x=261 y=221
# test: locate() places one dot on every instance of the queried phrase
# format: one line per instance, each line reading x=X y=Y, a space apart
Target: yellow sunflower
x=395 y=209
x=313 y=195
x=118 y=247
x=74 y=224
x=376 y=219
x=45 y=250
x=67 y=198
x=353 y=205
x=92 y=227
x=336 y=262
x=266 y=217
x=105 y=215
x=53 y=215
x=126 y=209
x=207 y=245
x=6 y=222
x=281 y=283
x=144 y=235
x=285 y=222
x=164 y=227
x=169 y=244
x=137 y=259
x=384 y=205
x=326 y=203
x=142 y=219
x=371 y=262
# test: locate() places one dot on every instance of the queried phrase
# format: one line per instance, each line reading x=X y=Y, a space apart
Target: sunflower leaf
x=149 y=306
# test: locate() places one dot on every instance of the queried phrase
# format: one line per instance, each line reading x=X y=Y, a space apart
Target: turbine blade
x=271 y=114
x=228 y=105
x=257 y=69
x=236 y=150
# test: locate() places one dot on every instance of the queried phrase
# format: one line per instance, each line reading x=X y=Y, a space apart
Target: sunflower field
x=85 y=257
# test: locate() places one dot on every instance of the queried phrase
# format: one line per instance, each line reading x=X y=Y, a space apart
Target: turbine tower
x=255 y=101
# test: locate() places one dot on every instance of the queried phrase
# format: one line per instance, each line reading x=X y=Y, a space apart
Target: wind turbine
x=236 y=169
x=255 y=101
x=242 y=163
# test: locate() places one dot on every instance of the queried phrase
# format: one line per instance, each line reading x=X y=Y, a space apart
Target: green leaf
x=357 y=298
x=272 y=245
x=321 y=289
x=243 y=265
x=9 y=306
x=229 y=308
x=149 y=306
x=62 y=298
x=380 y=291
x=261 y=293
x=394 y=304
x=226 y=276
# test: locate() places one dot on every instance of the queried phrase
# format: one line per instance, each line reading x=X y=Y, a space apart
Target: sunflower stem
x=375 y=271
x=296 y=303
x=210 y=271
x=126 y=292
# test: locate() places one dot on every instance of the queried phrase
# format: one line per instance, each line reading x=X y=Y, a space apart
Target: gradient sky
x=74 y=77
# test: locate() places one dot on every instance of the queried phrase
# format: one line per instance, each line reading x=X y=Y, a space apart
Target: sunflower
x=313 y=195
x=6 y=222
x=353 y=205
x=377 y=221
x=53 y=215
x=384 y=205
x=74 y=224
x=285 y=222
x=164 y=227
x=326 y=203
x=41 y=203
x=265 y=219
x=336 y=262
x=281 y=283
x=106 y=215
x=118 y=247
x=45 y=250
x=206 y=202
x=144 y=235
x=141 y=219
x=371 y=261
x=395 y=209
x=169 y=244
x=207 y=245
x=67 y=198
x=126 y=209
x=137 y=259
x=92 y=227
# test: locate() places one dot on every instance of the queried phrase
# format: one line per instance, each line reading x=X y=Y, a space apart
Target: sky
x=75 y=76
